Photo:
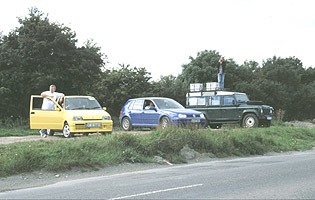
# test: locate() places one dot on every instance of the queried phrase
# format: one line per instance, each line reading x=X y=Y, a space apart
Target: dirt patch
x=58 y=136
x=13 y=139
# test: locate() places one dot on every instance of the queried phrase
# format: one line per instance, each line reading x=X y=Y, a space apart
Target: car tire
x=126 y=124
x=250 y=121
x=66 y=130
x=165 y=122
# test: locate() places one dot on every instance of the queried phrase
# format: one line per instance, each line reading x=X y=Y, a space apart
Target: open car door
x=45 y=119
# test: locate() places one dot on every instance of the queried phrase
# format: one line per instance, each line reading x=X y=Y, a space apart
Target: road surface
x=285 y=176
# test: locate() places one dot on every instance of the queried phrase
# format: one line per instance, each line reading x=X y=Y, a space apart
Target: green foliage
x=40 y=53
x=201 y=69
x=118 y=85
x=171 y=87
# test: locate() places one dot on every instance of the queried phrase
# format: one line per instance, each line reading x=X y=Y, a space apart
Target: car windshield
x=168 y=104
x=241 y=98
x=82 y=103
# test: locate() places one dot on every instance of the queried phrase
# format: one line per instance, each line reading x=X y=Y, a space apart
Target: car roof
x=228 y=93
x=144 y=98
x=78 y=96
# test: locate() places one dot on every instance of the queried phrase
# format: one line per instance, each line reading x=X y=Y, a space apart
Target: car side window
x=228 y=100
x=194 y=101
x=37 y=103
x=137 y=105
x=214 y=100
x=148 y=104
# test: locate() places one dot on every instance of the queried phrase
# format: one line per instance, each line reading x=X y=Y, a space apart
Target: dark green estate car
x=222 y=107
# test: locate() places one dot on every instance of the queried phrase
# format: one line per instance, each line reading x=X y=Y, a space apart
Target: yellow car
x=76 y=114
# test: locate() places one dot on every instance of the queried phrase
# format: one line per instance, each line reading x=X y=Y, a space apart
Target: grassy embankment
x=99 y=151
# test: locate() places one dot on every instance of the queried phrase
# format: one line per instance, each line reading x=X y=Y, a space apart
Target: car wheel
x=165 y=123
x=50 y=132
x=126 y=124
x=250 y=121
x=66 y=130
x=86 y=134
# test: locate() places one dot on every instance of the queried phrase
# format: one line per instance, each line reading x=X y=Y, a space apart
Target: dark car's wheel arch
x=252 y=116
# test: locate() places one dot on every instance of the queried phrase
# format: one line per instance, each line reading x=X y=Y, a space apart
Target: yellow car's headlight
x=106 y=118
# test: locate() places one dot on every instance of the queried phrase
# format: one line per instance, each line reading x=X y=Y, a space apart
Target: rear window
x=136 y=105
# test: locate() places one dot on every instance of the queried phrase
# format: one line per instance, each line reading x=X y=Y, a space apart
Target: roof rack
x=206 y=87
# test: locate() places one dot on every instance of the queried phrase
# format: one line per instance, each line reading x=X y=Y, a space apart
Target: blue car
x=158 y=112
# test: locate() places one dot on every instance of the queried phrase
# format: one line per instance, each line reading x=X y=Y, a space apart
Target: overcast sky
x=161 y=35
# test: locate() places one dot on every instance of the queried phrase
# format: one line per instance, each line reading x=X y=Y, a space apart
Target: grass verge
x=100 y=151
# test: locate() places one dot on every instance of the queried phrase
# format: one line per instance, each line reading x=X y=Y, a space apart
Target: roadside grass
x=99 y=151
x=16 y=131
x=20 y=127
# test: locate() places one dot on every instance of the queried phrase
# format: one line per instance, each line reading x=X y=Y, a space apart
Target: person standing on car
x=221 y=72
x=48 y=104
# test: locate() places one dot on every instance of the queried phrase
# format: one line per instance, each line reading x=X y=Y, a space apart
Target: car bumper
x=91 y=126
x=267 y=117
x=189 y=122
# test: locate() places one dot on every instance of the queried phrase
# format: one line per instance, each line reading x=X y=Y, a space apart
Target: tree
x=118 y=85
x=201 y=69
x=40 y=53
x=171 y=87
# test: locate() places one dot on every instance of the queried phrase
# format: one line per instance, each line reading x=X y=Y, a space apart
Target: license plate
x=195 y=120
x=93 y=125
x=269 y=118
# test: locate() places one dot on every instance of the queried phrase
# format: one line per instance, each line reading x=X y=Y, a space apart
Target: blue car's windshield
x=168 y=104
x=82 y=103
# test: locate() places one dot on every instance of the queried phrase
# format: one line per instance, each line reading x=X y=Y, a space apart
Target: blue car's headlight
x=182 y=116
x=77 y=118
x=106 y=118
x=202 y=115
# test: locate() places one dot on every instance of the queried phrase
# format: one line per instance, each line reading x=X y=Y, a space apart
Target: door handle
x=32 y=112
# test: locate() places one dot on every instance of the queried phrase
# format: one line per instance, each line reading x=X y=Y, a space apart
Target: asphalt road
x=281 y=176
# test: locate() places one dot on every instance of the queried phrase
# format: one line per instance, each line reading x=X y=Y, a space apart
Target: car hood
x=88 y=114
x=182 y=111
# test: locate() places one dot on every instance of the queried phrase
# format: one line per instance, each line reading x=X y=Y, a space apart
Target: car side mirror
x=104 y=108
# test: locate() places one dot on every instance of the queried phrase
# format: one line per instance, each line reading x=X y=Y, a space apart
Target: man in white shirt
x=48 y=104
